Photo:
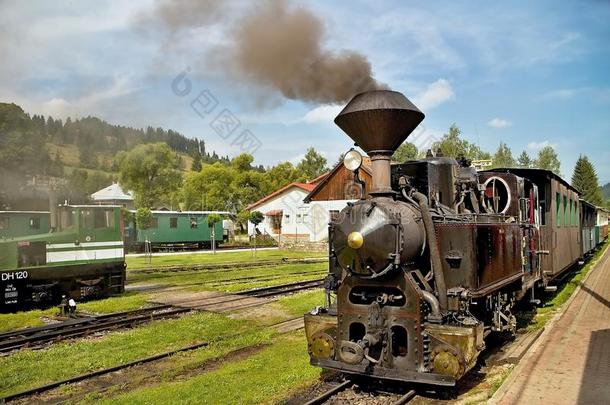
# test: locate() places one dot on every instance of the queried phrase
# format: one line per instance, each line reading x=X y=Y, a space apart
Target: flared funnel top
x=379 y=120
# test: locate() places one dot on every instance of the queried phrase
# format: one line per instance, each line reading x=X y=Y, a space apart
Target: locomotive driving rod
x=435 y=255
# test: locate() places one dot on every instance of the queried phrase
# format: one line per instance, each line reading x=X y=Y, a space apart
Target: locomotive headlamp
x=355 y=240
x=352 y=160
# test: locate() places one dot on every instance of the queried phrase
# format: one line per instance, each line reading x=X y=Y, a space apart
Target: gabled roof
x=112 y=192
x=307 y=187
x=366 y=167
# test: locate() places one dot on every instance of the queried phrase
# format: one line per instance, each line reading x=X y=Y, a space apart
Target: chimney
x=379 y=121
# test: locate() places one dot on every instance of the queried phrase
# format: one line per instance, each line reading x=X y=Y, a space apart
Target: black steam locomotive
x=434 y=259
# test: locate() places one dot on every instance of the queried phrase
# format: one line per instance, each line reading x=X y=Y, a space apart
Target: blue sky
x=526 y=73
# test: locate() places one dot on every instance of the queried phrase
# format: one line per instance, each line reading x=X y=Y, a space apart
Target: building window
x=334 y=215
x=34 y=223
x=305 y=218
x=287 y=218
x=173 y=222
x=299 y=218
x=4 y=223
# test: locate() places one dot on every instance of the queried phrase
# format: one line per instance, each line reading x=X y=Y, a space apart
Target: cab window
x=34 y=223
x=103 y=218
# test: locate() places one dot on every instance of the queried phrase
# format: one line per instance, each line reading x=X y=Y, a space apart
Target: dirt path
x=570 y=364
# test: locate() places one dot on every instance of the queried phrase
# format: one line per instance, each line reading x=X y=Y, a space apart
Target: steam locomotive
x=438 y=254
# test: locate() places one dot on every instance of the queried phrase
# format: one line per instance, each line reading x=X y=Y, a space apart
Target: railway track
x=333 y=393
x=40 y=336
x=283 y=289
x=227 y=265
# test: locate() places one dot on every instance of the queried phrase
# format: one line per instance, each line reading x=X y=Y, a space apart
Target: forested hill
x=92 y=137
x=81 y=151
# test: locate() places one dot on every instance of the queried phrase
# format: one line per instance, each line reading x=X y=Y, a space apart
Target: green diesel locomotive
x=82 y=256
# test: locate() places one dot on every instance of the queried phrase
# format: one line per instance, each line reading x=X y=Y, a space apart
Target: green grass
x=268 y=376
x=27 y=368
x=301 y=303
x=224 y=280
x=543 y=314
x=125 y=302
x=220 y=257
x=25 y=319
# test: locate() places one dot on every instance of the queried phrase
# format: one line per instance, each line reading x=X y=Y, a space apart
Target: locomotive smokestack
x=379 y=121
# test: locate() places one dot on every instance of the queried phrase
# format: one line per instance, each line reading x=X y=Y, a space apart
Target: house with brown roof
x=302 y=211
x=287 y=216
x=333 y=192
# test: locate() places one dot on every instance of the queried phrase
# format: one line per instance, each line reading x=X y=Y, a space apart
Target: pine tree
x=196 y=166
x=524 y=160
x=585 y=180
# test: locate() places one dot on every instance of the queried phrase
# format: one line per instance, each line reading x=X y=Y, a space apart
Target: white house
x=302 y=211
x=286 y=215
x=114 y=195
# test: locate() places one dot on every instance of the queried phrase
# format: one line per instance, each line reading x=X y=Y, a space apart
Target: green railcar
x=83 y=258
x=23 y=223
x=180 y=228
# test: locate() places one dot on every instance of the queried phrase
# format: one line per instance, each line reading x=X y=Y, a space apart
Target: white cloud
x=87 y=104
x=434 y=95
x=324 y=113
x=499 y=123
x=539 y=145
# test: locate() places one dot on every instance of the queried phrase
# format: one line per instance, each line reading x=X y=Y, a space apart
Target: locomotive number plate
x=14 y=275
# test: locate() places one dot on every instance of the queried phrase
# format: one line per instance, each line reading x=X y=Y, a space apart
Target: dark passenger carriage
x=559 y=220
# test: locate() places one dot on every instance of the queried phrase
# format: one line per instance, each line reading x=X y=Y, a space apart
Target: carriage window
x=566 y=211
x=575 y=214
x=558 y=213
x=34 y=223
x=194 y=223
x=4 y=223
x=154 y=222
x=173 y=222
x=542 y=212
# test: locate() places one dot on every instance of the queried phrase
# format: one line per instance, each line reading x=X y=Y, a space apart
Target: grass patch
x=265 y=377
x=125 y=302
x=23 y=369
x=536 y=319
x=220 y=257
x=301 y=303
x=225 y=280
x=25 y=319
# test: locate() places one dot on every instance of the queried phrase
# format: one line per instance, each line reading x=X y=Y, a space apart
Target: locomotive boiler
x=427 y=264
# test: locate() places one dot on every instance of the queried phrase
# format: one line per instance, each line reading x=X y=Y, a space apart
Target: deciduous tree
x=548 y=160
x=313 y=164
x=151 y=171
